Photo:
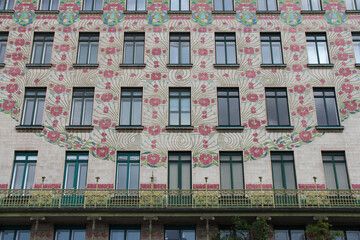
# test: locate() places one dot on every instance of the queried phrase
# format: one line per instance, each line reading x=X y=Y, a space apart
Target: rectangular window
x=48 y=5
x=136 y=5
x=91 y=5
x=231 y=170
x=70 y=234
x=82 y=106
x=179 y=107
x=283 y=170
x=3 y=43
x=352 y=4
x=131 y=107
x=267 y=5
x=223 y=5
x=76 y=170
x=311 y=5
x=353 y=234
x=289 y=234
x=356 y=41
x=134 y=48
x=127 y=170
x=18 y=234
x=124 y=233
x=179 y=170
x=229 y=107
x=317 y=48
x=7 y=4
x=277 y=107
x=326 y=107
x=42 y=48
x=225 y=47
x=336 y=174
x=88 y=48
x=180 y=233
x=24 y=170
x=179 y=5
x=33 y=109
x=179 y=48
x=271 y=48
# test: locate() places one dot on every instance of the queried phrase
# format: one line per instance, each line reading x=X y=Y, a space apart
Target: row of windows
x=179 y=170
x=180 y=107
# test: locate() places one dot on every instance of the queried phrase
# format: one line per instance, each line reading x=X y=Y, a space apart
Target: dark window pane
x=283 y=112
x=220 y=53
x=223 y=111
x=332 y=112
x=320 y=111
x=271 y=111
x=234 y=111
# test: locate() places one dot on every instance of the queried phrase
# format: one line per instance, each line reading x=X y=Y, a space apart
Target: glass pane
x=231 y=53
x=220 y=52
x=117 y=235
x=357 y=4
x=174 y=119
x=37 y=52
x=98 y=5
x=320 y=111
x=218 y=6
x=55 y=5
x=329 y=176
x=297 y=234
x=18 y=176
x=271 y=112
x=44 y=5
x=277 y=176
x=39 y=111
x=283 y=112
x=185 y=52
x=332 y=111
x=185 y=119
x=228 y=5
x=141 y=5
x=272 y=5
x=2 y=51
x=8 y=235
x=281 y=235
x=28 y=111
x=186 y=176
x=30 y=176
x=353 y=235
x=185 y=5
x=139 y=52
x=62 y=235
x=10 y=5
x=83 y=157
x=133 y=234
x=312 y=55
x=82 y=176
x=238 y=176
x=174 y=52
x=70 y=176
x=350 y=5
x=88 y=112
x=188 y=235
x=125 y=111
x=134 y=176
x=172 y=234
x=83 y=52
x=128 y=53
x=93 y=53
x=88 y=4
x=121 y=176
x=174 y=6
x=223 y=112
x=234 y=111
x=130 y=5
x=277 y=55
x=2 y=4
x=356 y=50
x=23 y=235
x=173 y=176
x=262 y=5
x=290 y=176
x=225 y=176
x=136 y=111
x=315 y=5
x=78 y=235
x=323 y=54
x=305 y=5
x=342 y=176
x=266 y=53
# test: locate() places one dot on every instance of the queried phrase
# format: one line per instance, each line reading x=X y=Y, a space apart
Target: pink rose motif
x=108 y=74
x=250 y=74
x=305 y=136
x=344 y=72
x=53 y=136
x=64 y=48
x=350 y=105
x=156 y=51
x=294 y=48
x=204 y=130
x=347 y=87
x=19 y=42
x=110 y=50
x=154 y=130
x=205 y=159
x=61 y=67
x=254 y=124
x=247 y=29
x=204 y=102
x=339 y=42
x=203 y=52
x=8 y=105
x=252 y=97
x=202 y=29
x=105 y=123
x=155 y=102
x=299 y=88
x=102 y=151
x=11 y=88
x=156 y=76
x=59 y=88
x=256 y=151
x=157 y=29
x=342 y=56
x=56 y=111
x=153 y=159
x=302 y=111
x=249 y=50
x=203 y=76
x=107 y=97
x=14 y=71
x=17 y=56
x=297 y=68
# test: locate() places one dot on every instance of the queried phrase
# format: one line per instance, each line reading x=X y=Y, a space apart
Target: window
x=7 y=4
x=336 y=174
x=267 y=5
x=179 y=48
x=3 y=42
x=42 y=47
x=271 y=48
x=179 y=233
x=289 y=234
x=179 y=107
x=127 y=170
x=70 y=234
x=131 y=106
x=18 y=234
x=179 y=170
x=283 y=170
x=33 y=106
x=91 y=5
x=277 y=107
x=352 y=234
x=311 y=5
x=136 y=5
x=356 y=41
x=317 y=48
x=229 y=107
x=231 y=170
x=76 y=170
x=82 y=106
x=326 y=107
x=134 y=48
x=88 y=48
x=225 y=47
x=47 y=5
x=124 y=233
x=223 y=5
x=179 y=5
x=24 y=170
x=352 y=5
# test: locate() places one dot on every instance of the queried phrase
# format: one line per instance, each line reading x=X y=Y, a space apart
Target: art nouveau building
x=163 y=120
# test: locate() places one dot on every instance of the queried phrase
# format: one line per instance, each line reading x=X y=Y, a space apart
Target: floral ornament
x=335 y=12
x=113 y=13
x=10 y=107
x=99 y=235
x=153 y=160
x=291 y=14
x=43 y=235
x=205 y=160
x=24 y=13
x=255 y=152
x=69 y=13
x=247 y=13
x=202 y=12
x=349 y=107
x=157 y=13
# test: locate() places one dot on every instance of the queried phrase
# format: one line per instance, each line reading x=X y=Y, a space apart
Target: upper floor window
x=326 y=107
x=311 y=5
x=7 y=4
x=70 y=234
x=231 y=170
x=125 y=233
x=356 y=41
x=267 y=5
x=277 y=107
x=82 y=106
x=336 y=174
x=127 y=170
x=179 y=107
x=271 y=48
x=317 y=48
x=179 y=170
x=283 y=170
x=179 y=5
x=179 y=48
x=48 y=5
x=289 y=234
x=12 y=234
x=134 y=48
x=24 y=170
x=42 y=48
x=223 y=5
x=229 y=107
x=3 y=43
x=352 y=4
x=136 y=5
x=91 y=5
x=76 y=170
x=130 y=106
x=225 y=47
x=179 y=233
x=88 y=48
x=33 y=109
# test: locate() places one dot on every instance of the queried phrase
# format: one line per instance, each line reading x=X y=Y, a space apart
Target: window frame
x=36 y=98
x=179 y=163
x=180 y=229
x=93 y=5
x=267 y=6
x=333 y=154
x=271 y=41
x=309 y=4
x=180 y=35
x=6 y=5
x=44 y=42
x=70 y=228
x=283 y=171
x=76 y=171
x=4 y=36
x=136 y=7
x=231 y=154
x=223 y=6
x=289 y=230
x=124 y=228
x=355 y=35
x=179 y=111
x=225 y=41
x=180 y=8
x=318 y=34
x=133 y=41
x=50 y=5
x=128 y=154
x=228 y=90
x=132 y=97
x=16 y=230
x=323 y=89
x=276 y=97
x=26 y=162
x=89 y=41
x=83 y=97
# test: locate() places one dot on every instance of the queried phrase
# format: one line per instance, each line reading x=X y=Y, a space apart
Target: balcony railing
x=156 y=198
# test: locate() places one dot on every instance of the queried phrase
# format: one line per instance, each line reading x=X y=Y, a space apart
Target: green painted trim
x=26 y=162
x=128 y=155
x=77 y=162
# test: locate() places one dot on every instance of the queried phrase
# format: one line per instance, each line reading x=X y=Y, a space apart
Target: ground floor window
x=75 y=233
x=288 y=234
x=19 y=234
x=180 y=233
x=349 y=235
x=125 y=233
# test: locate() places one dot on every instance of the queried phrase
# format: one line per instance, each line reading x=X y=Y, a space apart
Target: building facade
x=164 y=119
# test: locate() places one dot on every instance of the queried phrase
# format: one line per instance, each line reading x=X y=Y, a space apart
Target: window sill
x=223 y=12
x=280 y=128
x=179 y=12
x=312 y=11
x=91 y=12
x=183 y=128
x=135 y=12
x=2 y=65
x=226 y=65
x=29 y=127
x=36 y=65
x=268 y=12
x=179 y=65
x=47 y=11
x=7 y=11
x=229 y=128
x=328 y=65
x=78 y=65
x=273 y=65
x=79 y=128
x=122 y=127
x=357 y=65
x=336 y=128
x=124 y=65
x=352 y=11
